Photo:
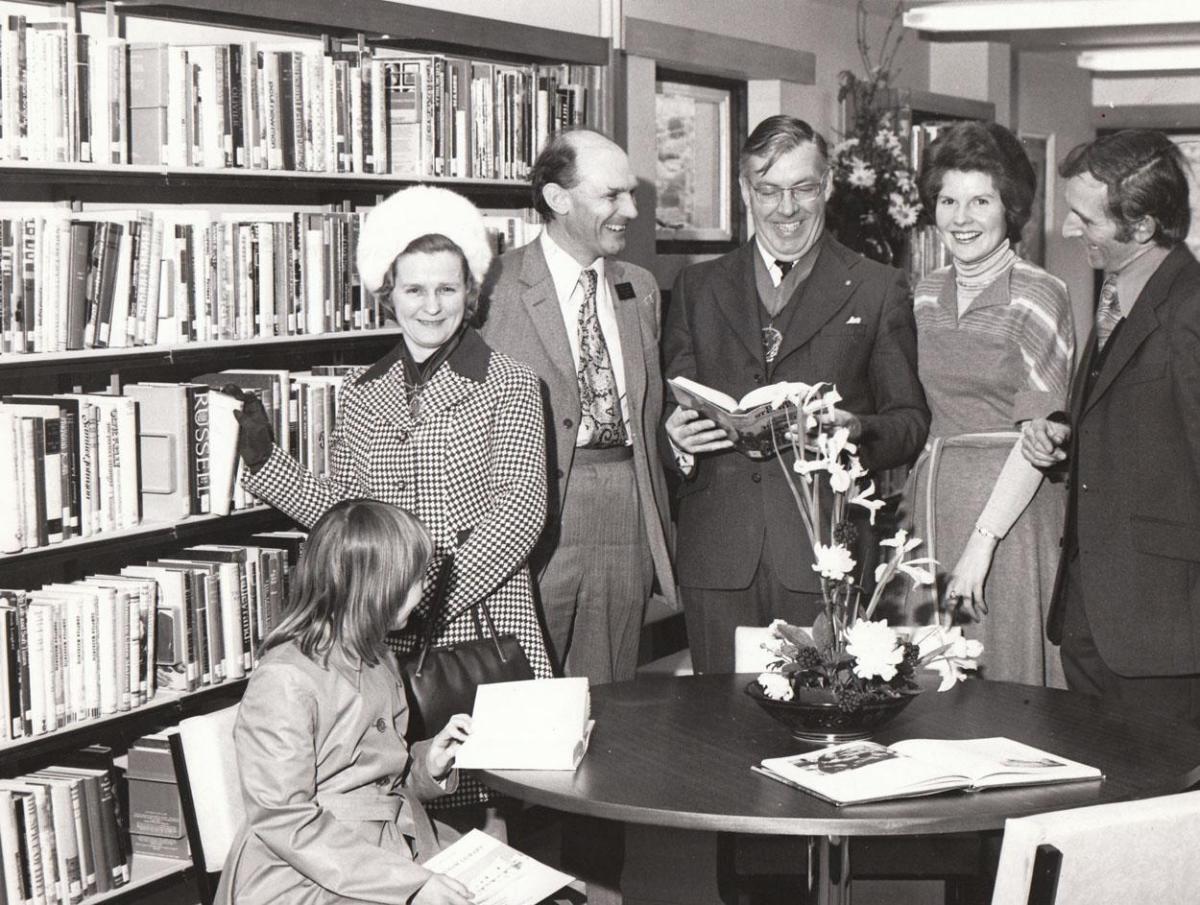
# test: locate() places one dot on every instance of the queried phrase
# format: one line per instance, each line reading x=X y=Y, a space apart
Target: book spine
x=200 y=450
x=111 y=830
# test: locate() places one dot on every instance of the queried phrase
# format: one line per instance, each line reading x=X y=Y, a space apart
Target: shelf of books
x=179 y=210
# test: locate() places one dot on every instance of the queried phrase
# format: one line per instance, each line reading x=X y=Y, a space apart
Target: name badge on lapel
x=625 y=291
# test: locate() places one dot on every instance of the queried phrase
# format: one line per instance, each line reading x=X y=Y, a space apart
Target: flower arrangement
x=848 y=657
x=875 y=201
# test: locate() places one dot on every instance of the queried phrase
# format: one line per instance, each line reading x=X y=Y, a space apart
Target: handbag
x=441 y=681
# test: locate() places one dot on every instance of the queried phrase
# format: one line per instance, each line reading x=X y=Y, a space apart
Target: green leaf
x=822 y=632
x=795 y=636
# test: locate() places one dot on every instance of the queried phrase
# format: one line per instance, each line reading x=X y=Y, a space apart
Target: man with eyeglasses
x=792 y=304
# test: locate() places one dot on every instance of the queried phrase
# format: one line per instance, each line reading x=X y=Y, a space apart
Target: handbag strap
x=438 y=606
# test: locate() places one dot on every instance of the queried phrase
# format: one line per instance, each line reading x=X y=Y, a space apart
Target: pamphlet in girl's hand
x=495 y=873
x=858 y=772
x=749 y=421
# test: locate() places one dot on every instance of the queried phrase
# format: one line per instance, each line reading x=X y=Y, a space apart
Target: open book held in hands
x=534 y=724
x=495 y=873
x=858 y=772
x=749 y=421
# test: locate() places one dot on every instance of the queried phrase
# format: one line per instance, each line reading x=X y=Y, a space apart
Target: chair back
x=209 y=792
x=1134 y=851
x=748 y=652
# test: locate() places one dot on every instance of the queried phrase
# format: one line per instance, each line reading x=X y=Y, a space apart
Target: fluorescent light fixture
x=1030 y=15
x=1141 y=59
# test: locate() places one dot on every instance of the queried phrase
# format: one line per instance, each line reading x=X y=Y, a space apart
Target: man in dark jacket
x=1126 y=605
x=791 y=305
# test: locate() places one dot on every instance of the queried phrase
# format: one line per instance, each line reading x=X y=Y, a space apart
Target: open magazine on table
x=857 y=772
x=749 y=421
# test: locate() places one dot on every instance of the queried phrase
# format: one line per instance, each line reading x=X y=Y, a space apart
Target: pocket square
x=854 y=319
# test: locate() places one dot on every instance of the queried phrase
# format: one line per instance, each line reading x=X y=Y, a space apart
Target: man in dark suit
x=1126 y=604
x=791 y=305
x=594 y=343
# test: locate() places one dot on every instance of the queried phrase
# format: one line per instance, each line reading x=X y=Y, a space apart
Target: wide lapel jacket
x=523 y=318
x=852 y=326
x=1134 y=486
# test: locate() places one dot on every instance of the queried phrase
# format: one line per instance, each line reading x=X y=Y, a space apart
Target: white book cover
x=537 y=724
x=12 y=517
x=223 y=452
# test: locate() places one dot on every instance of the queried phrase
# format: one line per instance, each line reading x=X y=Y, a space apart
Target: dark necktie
x=1108 y=314
x=600 y=424
x=784 y=267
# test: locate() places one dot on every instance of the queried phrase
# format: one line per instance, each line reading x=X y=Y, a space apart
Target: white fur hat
x=414 y=212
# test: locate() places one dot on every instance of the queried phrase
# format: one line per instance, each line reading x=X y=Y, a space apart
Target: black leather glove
x=255 y=438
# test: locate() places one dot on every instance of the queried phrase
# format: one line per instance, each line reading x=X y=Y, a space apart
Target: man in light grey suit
x=588 y=325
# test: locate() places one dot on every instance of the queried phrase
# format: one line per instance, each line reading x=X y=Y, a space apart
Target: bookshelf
x=74 y=187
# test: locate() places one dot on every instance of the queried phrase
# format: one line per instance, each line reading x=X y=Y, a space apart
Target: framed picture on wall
x=1040 y=150
x=697 y=121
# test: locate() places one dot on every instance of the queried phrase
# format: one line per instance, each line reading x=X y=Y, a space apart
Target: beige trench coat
x=332 y=793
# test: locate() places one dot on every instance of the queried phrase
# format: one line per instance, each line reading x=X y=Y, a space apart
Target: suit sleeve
x=1184 y=339
x=504 y=538
x=276 y=750
x=294 y=490
x=895 y=432
x=679 y=360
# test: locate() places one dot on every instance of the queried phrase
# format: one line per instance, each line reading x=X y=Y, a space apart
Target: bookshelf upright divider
x=170 y=210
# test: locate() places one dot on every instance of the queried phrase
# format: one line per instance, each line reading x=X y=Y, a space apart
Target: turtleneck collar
x=978 y=274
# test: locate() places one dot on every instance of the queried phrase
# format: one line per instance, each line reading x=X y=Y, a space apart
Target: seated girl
x=332 y=793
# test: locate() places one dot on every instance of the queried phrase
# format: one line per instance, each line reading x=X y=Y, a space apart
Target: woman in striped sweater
x=995 y=347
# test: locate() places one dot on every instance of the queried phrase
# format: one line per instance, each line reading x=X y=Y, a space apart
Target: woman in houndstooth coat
x=442 y=426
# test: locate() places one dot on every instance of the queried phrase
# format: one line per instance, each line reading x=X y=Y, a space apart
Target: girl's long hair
x=360 y=562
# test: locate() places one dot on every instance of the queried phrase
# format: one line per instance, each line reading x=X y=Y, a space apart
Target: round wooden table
x=677 y=752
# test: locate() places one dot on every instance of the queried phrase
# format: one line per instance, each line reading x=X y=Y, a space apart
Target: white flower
x=874 y=648
x=901 y=542
x=902 y=212
x=948 y=652
x=864 y=499
x=886 y=138
x=861 y=174
x=806 y=467
x=775 y=686
x=842 y=147
x=918 y=575
x=833 y=561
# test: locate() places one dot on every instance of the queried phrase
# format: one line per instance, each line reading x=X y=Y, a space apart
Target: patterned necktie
x=601 y=424
x=1108 y=314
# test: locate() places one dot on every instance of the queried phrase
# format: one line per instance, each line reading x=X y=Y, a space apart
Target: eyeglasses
x=771 y=195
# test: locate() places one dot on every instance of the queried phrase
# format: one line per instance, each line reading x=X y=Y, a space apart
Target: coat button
x=758 y=378
x=1083 y=487
x=381 y=724
x=559 y=473
x=756 y=478
x=567 y=422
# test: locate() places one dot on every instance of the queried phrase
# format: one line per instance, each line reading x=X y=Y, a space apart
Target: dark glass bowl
x=823 y=722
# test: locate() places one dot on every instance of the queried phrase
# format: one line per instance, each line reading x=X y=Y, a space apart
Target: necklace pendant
x=771 y=339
